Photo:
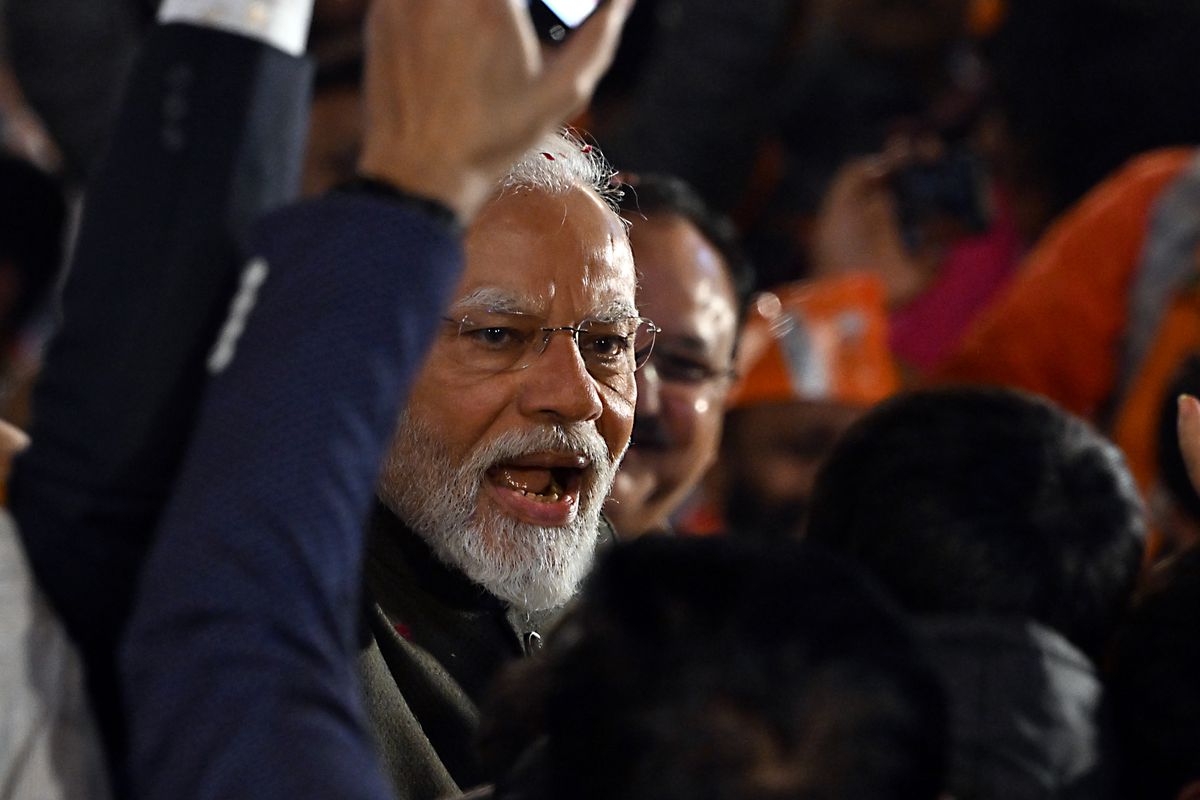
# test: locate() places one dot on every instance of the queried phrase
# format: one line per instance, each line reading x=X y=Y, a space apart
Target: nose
x=557 y=387
x=649 y=403
x=648 y=427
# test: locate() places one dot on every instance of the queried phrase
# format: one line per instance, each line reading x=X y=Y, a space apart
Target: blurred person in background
x=1104 y=309
x=693 y=281
x=1155 y=689
x=1014 y=533
x=836 y=80
x=931 y=224
x=1156 y=656
x=814 y=359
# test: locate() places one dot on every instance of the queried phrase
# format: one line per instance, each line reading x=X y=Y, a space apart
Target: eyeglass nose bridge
x=540 y=345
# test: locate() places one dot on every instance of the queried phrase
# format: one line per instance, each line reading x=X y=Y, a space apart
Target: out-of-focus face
x=685 y=288
x=503 y=469
x=769 y=461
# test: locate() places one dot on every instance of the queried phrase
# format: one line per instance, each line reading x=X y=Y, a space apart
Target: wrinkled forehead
x=563 y=254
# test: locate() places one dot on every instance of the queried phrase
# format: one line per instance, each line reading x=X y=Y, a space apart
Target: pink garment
x=929 y=328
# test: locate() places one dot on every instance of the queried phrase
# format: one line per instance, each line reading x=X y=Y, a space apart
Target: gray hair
x=560 y=162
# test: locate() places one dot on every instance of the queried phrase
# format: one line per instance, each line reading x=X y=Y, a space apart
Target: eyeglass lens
x=496 y=341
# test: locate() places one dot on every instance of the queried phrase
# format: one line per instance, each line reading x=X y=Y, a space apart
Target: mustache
x=577 y=438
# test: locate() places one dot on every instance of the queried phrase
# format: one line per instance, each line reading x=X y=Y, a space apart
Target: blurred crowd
x=896 y=496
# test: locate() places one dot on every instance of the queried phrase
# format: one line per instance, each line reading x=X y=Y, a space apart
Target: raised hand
x=455 y=91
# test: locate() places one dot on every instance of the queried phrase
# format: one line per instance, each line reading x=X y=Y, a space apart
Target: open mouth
x=540 y=488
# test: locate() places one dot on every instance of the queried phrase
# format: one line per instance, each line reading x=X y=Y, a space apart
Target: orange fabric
x=985 y=17
x=817 y=340
x=1056 y=330
x=703 y=519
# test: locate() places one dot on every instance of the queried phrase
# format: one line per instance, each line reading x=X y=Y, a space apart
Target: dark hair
x=1155 y=684
x=712 y=669
x=658 y=193
x=986 y=501
x=1172 y=471
x=32 y=216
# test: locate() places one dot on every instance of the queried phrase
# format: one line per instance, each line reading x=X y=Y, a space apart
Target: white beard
x=531 y=567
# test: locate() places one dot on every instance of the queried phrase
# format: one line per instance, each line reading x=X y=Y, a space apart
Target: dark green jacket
x=437 y=641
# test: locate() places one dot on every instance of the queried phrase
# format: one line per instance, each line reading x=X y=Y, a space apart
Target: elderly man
x=238 y=661
x=491 y=493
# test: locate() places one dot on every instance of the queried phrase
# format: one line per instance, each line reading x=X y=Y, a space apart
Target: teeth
x=551 y=496
x=552 y=492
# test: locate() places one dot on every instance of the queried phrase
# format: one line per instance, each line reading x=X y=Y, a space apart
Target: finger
x=900 y=150
x=521 y=27
x=856 y=180
x=875 y=168
x=574 y=70
x=1189 y=436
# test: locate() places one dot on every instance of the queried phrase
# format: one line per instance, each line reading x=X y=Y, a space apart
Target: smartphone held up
x=555 y=19
x=954 y=187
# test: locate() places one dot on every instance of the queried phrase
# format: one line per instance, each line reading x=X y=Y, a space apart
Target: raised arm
x=209 y=138
x=239 y=665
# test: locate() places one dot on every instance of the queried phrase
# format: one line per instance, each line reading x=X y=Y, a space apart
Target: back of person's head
x=32 y=217
x=711 y=669
x=1155 y=685
x=988 y=502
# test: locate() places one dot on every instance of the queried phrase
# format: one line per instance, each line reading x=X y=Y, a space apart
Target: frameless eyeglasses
x=487 y=340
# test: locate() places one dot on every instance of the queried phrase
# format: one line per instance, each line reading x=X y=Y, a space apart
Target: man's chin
x=541 y=571
x=530 y=566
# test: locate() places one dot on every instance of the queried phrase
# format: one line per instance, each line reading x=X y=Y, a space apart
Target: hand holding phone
x=955 y=186
x=452 y=99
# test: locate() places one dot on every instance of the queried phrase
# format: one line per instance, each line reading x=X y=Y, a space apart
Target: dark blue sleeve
x=209 y=138
x=239 y=665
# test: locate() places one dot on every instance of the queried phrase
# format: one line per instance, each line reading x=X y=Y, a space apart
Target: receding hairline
x=560 y=162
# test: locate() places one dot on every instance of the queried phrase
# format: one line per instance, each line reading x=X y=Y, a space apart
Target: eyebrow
x=616 y=309
x=496 y=299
